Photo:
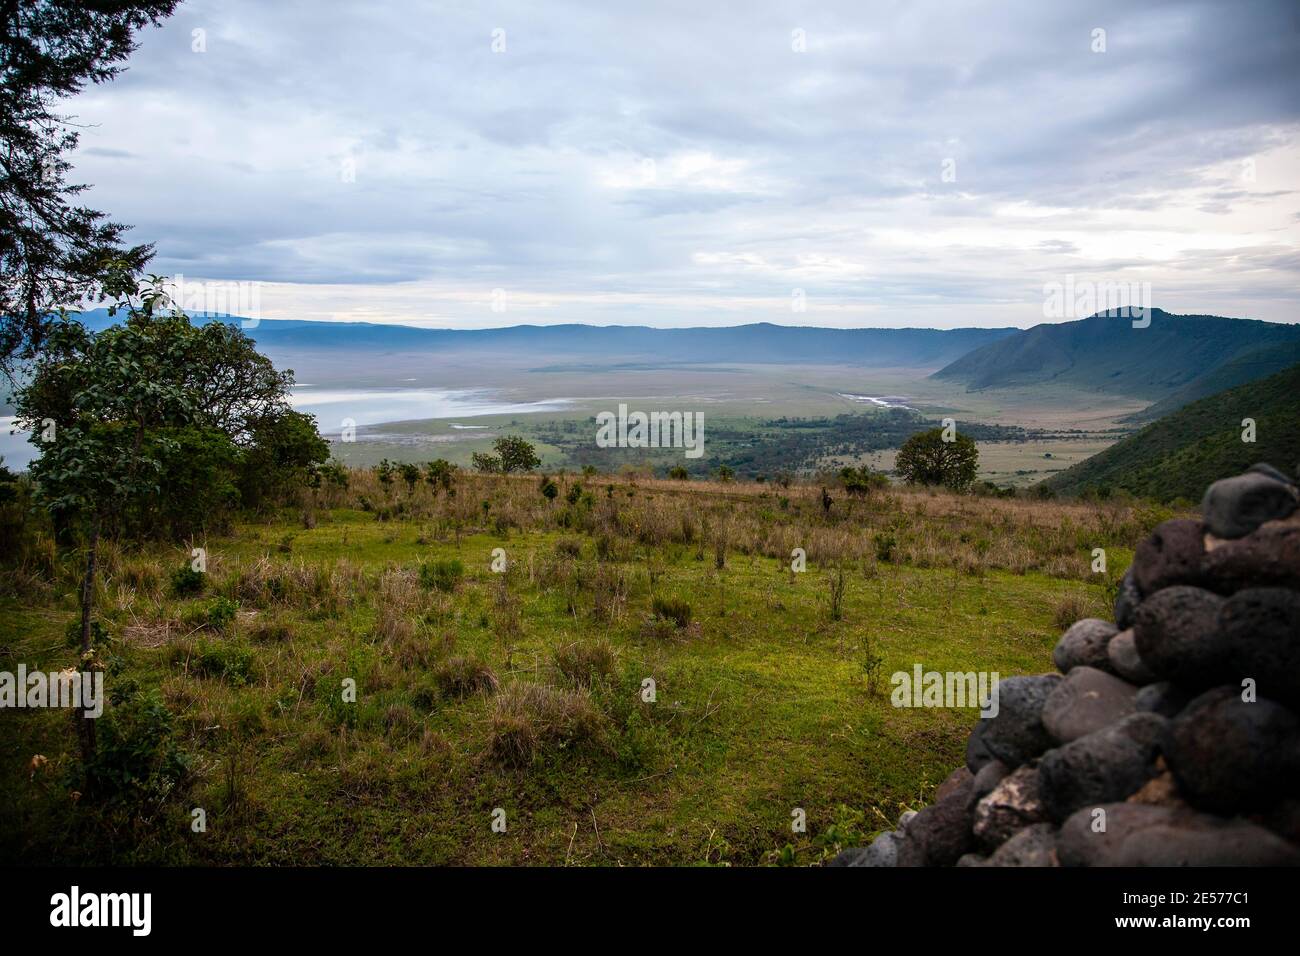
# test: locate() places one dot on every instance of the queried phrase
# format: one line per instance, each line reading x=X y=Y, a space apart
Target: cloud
x=681 y=163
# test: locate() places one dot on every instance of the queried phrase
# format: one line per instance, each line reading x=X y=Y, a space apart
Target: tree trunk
x=86 y=725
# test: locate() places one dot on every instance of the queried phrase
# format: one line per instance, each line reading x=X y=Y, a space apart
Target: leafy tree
x=51 y=247
x=485 y=463
x=410 y=474
x=199 y=490
x=859 y=482
x=926 y=459
x=123 y=424
x=678 y=473
x=284 y=451
x=725 y=473
x=515 y=454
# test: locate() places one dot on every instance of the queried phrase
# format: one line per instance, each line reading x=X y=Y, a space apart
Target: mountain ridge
x=757 y=343
x=1104 y=352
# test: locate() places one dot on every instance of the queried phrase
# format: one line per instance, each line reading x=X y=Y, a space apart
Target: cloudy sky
x=903 y=163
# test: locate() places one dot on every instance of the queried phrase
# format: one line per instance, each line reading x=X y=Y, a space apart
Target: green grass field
x=764 y=702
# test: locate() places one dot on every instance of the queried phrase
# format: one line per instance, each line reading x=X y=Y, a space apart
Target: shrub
x=569 y=548
x=215 y=616
x=885 y=543
x=136 y=756
x=232 y=663
x=441 y=575
x=859 y=482
x=673 y=609
x=187 y=582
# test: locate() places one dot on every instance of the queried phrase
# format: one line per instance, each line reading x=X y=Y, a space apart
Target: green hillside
x=1179 y=455
x=1260 y=363
x=1105 y=353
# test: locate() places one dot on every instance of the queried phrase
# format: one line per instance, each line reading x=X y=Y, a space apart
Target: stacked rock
x=1169 y=738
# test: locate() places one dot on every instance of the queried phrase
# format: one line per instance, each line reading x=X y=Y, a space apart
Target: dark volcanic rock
x=1086 y=701
x=1033 y=846
x=1125 y=659
x=849 y=857
x=1104 y=766
x=1011 y=806
x=883 y=851
x=990 y=776
x=1229 y=755
x=960 y=779
x=1127 y=601
x=941 y=833
x=1016 y=734
x=1162 y=698
x=1170 y=555
x=1178 y=638
x=1236 y=506
x=977 y=752
x=1139 y=834
x=1270 y=557
x=1262 y=629
x=1263 y=468
x=1084 y=645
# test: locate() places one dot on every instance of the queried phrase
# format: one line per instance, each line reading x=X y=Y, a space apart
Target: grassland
x=739 y=403
x=524 y=690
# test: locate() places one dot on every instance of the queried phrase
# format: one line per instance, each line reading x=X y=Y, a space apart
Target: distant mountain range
x=758 y=343
x=1175 y=360
x=1182 y=453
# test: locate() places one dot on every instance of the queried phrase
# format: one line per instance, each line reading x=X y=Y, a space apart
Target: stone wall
x=1169 y=737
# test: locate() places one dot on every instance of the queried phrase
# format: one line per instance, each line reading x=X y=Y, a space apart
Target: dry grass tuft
x=585 y=662
x=530 y=718
x=461 y=676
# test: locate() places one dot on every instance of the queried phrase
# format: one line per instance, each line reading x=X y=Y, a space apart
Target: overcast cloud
x=684 y=164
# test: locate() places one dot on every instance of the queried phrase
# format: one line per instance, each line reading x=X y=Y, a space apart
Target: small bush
x=442 y=575
x=232 y=663
x=186 y=582
x=673 y=609
x=136 y=757
x=885 y=544
x=569 y=548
